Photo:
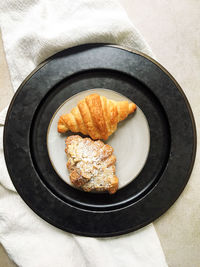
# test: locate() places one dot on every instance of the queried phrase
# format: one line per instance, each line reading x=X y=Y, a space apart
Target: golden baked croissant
x=95 y=116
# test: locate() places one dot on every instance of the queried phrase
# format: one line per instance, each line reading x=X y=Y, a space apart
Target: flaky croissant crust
x=95 y=116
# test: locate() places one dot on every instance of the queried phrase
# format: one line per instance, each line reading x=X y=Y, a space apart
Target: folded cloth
x=33 y=30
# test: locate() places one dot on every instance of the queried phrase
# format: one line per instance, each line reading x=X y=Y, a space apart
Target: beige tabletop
x=172 y=29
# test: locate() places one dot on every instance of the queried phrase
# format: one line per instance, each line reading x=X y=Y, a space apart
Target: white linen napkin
x=33 y=30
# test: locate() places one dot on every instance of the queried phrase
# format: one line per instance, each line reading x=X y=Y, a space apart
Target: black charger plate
x=172 y=140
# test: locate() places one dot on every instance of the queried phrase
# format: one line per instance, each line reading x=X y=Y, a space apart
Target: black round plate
x=172 y=137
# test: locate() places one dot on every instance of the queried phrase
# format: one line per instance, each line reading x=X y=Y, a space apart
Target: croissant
x=95 y=116
x=91 y=164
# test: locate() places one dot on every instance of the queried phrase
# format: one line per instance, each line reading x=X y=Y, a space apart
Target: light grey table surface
x=172 y=29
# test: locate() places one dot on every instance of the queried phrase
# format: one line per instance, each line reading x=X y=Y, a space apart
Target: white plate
x=130 y=142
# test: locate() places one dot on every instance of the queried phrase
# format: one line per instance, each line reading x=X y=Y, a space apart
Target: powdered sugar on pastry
x=91 y=164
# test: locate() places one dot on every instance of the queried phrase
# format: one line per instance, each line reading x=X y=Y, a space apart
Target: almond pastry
x=91 y=164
